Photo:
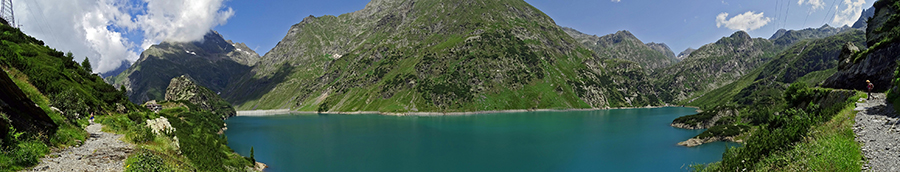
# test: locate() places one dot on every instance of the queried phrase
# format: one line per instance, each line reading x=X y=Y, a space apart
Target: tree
x=86 y=64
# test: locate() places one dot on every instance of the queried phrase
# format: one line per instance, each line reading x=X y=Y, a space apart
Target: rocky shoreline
x=288 y=111
x=698 y=141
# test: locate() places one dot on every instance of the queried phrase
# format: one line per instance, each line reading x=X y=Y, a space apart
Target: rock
x=184 y=88
x=260 y=166
x=846 y=57
x=21 y=112
x=160 y=126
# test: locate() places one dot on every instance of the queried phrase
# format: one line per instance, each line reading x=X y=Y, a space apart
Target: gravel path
x=878 y=131
x=101 y=152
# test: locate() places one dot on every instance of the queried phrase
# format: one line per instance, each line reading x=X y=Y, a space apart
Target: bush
x=142 y=134
x=71 y=104
x=145 y=160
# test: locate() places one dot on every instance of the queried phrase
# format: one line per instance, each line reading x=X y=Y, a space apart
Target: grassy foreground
x=827 y=146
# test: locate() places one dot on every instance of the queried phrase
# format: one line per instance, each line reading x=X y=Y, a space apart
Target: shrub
x=142 y=134
x=145 y=160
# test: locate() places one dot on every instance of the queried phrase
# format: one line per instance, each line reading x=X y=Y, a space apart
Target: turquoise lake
x=601 y=140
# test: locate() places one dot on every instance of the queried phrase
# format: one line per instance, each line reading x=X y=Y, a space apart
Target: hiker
x=92 y=118
x=870 y=86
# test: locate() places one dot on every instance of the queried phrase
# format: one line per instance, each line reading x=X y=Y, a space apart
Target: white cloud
x=616 y=0
x=816 y=4
x=747 y=22
x=850 y=14
x=97 y=28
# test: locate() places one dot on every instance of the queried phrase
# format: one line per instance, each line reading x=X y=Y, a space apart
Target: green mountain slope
x=214 y=62
x=440 y=55
x=624 y=45
x=809 y=61
x=713 y=65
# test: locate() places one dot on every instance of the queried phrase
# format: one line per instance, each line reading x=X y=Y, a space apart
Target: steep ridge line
x=101 y=152
x=877 y=134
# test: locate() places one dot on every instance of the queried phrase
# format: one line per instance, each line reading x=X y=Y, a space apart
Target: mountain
x=810 y=61
x=878 y=63
x=662 y=48
x=437 y=56
x=713 y=65
x=786 y=38
x=213 y=61
x=624 y=45
x=122 y=67
x=684 y=54
x=863 y=18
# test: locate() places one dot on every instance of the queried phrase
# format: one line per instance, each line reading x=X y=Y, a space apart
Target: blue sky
x=678 y=23
x=111 y=31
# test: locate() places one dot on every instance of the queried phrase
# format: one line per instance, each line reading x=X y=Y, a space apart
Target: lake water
x=602 y=140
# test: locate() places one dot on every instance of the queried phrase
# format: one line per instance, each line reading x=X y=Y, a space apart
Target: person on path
x=92 y=117
x=870 y=86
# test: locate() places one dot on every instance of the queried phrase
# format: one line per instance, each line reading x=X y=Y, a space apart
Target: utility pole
x=6 y=12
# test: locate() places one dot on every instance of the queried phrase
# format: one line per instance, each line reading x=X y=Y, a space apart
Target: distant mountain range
x=402 y=56
x=624 y=45
x=214 y=62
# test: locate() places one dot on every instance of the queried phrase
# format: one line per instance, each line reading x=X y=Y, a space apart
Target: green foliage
x=18 y=151
x=145 y=160
x=141 y=134
x=783 y=129
x=725 y=130
x=86 y=65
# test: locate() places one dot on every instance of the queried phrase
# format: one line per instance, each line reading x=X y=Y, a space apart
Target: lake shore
x=288 y=111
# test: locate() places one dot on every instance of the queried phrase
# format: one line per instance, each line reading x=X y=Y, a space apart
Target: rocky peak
x=741 y=35
x=662 y=48
x=778 y=34
x=684 y=54
x=183 y=88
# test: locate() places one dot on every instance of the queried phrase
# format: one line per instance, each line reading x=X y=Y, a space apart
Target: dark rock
x=24 y=114
x=861 y=23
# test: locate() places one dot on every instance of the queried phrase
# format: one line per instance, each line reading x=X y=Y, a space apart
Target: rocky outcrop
x=876 y=64
x=183 y=88
x=23 y=114
x=698 y=141
x=861 y=23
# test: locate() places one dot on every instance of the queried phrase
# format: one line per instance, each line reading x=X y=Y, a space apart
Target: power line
x=786 y=14
x=824 y=21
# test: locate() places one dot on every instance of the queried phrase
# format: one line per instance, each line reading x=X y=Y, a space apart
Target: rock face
x=878 y=63
x=436 y=55
x=214 y=62
x=861 y=23
x=184 y=88
x=23 y=114
x=624 y=45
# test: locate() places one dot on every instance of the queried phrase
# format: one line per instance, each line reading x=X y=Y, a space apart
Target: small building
x=152 y=105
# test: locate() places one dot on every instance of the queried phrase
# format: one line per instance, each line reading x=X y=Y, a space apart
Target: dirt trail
x=878 y=133
x=101 y=152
